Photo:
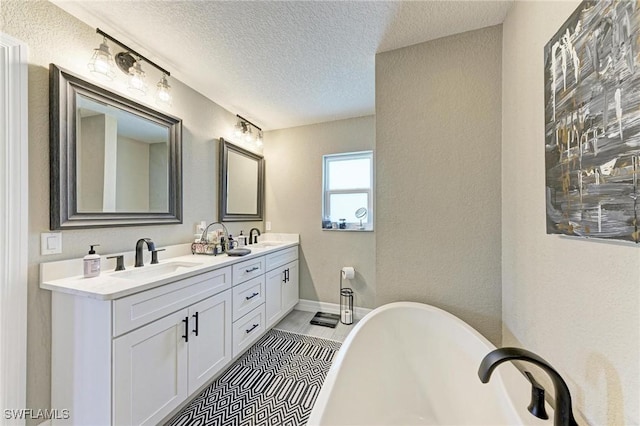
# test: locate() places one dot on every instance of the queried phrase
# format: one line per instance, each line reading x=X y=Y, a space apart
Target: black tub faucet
x=252 y=239
x=563 y=414
x=139 y=245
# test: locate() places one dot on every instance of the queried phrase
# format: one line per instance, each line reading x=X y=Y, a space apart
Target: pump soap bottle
x=91 y=263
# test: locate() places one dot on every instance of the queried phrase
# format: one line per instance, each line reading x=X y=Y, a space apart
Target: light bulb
x=137 y=82
x=259 y=139
x=163 y=94
x=248 y=136
x=238 y=129
x=101 y=64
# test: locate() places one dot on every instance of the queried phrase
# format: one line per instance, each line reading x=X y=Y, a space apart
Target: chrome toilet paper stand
x=346 y=303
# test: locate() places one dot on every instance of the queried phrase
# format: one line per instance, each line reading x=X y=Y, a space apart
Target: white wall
x=293 y=171
x=438 y=176
x=574 y=302
x=53 y=36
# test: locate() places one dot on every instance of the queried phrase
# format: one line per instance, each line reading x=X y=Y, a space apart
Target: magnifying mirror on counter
x=360 y=214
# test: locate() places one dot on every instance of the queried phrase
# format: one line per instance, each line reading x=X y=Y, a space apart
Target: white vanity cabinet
x=156 y=367
x=127 y=357
x=135 y=359
x=282 y=284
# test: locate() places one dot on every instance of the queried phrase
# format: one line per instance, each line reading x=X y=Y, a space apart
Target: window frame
x=368 y=223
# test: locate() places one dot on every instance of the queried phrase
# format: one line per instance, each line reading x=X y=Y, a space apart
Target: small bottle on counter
x=91 y=263
x=242 y=239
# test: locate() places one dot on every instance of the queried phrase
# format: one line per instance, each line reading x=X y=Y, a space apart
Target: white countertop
x=66 y=276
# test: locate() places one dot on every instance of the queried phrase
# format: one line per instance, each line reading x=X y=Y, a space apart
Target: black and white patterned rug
x=276 y=382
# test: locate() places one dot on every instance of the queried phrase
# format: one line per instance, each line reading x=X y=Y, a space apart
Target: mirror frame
x=223 y=211
x=63 y=88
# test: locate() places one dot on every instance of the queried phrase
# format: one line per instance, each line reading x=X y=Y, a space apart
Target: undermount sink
x=152 y=271
x=265 y=244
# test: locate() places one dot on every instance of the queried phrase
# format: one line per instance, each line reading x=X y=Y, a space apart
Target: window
x=348 y=191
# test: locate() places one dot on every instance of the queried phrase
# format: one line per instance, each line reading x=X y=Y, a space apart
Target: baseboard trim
x=332 y=308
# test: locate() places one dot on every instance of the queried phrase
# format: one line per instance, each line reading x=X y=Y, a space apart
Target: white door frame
x=13 y=225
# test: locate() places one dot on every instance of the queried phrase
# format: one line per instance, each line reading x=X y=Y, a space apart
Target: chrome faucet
x=563 y=414
x=150 y=245
x=253 y=240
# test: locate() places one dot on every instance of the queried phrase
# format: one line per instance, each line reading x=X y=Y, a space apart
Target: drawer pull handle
x=255 y=268
x=252 y=328
x=185 y=336
x=195 y=330
x=252 y=296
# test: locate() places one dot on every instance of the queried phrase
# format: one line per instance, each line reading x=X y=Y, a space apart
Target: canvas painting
x=592 y=122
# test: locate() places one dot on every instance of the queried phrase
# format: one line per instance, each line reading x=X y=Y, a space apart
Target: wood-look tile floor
x=298 y=322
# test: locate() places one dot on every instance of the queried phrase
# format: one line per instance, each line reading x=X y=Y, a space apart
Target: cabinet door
x=273 y=293
x=290 y=289
x=209 y=338
x=150 y=371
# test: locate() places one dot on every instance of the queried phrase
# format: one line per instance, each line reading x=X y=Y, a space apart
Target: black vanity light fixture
x=129 y=62
x=244 y=129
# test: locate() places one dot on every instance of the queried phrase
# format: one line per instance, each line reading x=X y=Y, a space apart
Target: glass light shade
x=101 y=63
x=248 y=136
x=137 y=83
x=238 y=129
x=259 y=139
x=163 y=94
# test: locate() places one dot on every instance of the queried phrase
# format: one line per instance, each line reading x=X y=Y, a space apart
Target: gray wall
x=158 y=177
x=91 y=158
x=132 y=175
x=293 y=160
x=53 y=36
x=438 y=112
x=574 y=302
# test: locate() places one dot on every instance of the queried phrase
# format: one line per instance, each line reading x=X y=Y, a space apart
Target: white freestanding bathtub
x=413 y=364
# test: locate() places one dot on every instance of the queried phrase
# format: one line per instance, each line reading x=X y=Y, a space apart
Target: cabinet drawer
x=247 y=296
x=248 y=269
x=248 y=329
x=281 y=257
x=139 y=309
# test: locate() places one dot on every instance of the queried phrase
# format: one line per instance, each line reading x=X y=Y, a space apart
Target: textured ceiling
x=281 y=64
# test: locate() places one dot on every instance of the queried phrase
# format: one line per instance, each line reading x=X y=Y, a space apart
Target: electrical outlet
x=267 y=226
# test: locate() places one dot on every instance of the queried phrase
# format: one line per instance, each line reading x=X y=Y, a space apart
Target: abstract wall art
x=592 y=122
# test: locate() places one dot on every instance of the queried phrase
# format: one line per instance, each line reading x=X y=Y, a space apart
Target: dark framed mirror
x=241 y=194
x=113 y=161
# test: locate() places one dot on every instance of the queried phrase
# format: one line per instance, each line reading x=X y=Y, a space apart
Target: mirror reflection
x=242 y=190
x=121 y=160
x=241 y=183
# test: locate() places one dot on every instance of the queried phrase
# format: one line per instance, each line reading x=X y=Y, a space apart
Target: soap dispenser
x=92 y=263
